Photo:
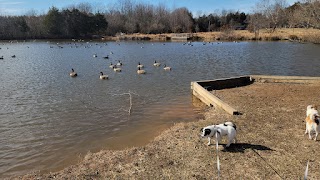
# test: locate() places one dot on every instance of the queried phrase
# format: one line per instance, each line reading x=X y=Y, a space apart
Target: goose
x=72 y=73
x=157 y=64
x=119 y=63
x=112 y=65
x=141 y=71
x=167 y=68
x=116 y=69
x=102 y=76
x=140 y=65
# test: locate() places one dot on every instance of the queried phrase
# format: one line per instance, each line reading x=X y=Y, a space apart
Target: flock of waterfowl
x=117 y=68
x=13 y=56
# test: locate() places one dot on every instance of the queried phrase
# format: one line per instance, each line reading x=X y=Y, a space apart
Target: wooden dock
x=201 y=89
x=181 y=36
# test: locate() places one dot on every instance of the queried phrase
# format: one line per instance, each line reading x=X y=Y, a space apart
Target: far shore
x=290 y=34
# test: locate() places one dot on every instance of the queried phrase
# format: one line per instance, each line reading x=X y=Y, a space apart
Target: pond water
x=49 y=120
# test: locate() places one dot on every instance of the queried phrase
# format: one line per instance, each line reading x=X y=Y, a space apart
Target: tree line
x=79 y=21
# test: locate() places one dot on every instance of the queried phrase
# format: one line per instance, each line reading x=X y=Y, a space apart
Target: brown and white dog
x=226 y=129
x=312 y=121
x=311 y=108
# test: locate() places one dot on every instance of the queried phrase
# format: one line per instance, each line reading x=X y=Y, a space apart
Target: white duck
x=119 y=63
x=72 y=73
x=141 y=71
x=102 y=76
x=112 y=65
x=167 y=68
x=140 y=65
x=157 y=64
x=116 y=69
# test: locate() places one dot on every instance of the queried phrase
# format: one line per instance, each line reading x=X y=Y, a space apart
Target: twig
x=130 y=96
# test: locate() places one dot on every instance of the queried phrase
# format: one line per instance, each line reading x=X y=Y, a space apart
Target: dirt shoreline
x=271 y=143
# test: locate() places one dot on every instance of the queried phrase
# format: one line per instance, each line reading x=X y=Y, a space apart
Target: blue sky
x=197 y=7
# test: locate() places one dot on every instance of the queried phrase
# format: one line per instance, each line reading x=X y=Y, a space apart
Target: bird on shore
x=103 y=76
x=167 y=68
x=73 y=73
x=140 y=65
x=157 y=64
x=141 y=71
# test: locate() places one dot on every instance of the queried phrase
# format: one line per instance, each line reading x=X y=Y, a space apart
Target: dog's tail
x=230 y=124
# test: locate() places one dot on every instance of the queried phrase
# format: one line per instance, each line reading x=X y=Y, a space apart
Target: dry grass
x=272 y=144
x=294 y=34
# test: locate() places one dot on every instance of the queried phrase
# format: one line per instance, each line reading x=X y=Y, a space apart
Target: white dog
x=312 y=122
x=226 y=129
x=311 y=109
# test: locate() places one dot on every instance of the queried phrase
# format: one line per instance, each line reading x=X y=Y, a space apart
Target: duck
x=112 y=65
x=106 y=57
x=157 y=64
x=13 y=56
x=95 y=55
x=119 y=63
x=116 y=69
x=1 y=57
x=141 y=71
x=72 y=73
x=140 y=65
x=102 y=76
x=167 y=68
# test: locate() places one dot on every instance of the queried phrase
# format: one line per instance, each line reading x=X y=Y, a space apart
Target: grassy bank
x=292 y=34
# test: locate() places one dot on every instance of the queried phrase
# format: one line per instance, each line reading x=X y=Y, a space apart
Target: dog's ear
x=207 y=132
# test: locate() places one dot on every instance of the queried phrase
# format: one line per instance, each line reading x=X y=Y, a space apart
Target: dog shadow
x=241 y=147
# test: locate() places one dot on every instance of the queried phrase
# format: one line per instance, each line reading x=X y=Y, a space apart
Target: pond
x=49 y=120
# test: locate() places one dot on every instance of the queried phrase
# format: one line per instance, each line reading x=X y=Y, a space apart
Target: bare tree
x=160 y=22
x=181 y=20
x=311 y=13
x=143 y=15
x=116 y=22
x=274 y=11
